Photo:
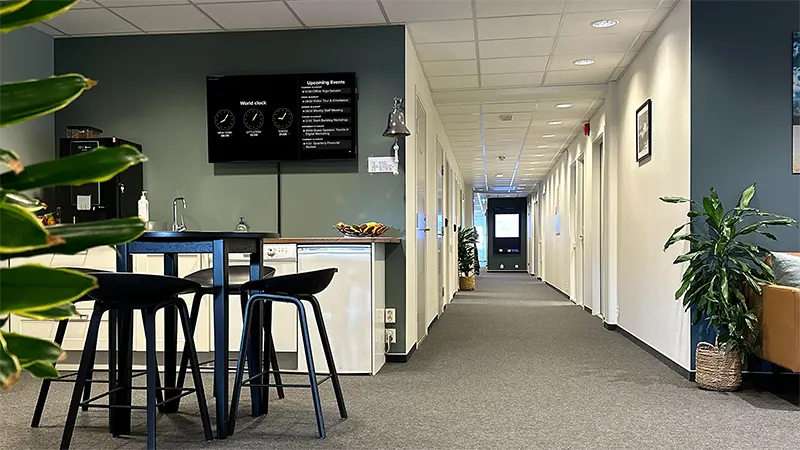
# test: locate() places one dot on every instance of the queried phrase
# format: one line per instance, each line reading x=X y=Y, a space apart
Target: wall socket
x=391 y=335
x=390 y=315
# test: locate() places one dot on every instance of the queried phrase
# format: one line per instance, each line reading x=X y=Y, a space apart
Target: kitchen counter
x=334 y=240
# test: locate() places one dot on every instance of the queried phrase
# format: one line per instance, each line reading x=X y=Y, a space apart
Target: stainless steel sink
x=157 y=226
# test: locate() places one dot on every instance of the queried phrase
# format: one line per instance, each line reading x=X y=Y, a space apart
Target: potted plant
x=31 y=290
x=722 y=264
x=468 y=265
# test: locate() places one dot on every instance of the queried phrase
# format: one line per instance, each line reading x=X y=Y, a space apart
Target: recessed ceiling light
x=554 y=122
x=564 y=105
x=479 y=158
x=534 y=162
x=541 y=146
x=583 y=62
x=521 y=185
x=604 y=23
x=499 y=175
x=548 y=135
x=536 y=156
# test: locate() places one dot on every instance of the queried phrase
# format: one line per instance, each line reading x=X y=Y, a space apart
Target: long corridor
x=511 y=365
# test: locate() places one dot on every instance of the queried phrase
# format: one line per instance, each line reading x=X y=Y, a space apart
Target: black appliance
x=282 y=117
x=112 y=199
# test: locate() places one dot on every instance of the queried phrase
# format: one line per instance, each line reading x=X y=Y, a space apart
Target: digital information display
x=281 y=117
x=506 y=225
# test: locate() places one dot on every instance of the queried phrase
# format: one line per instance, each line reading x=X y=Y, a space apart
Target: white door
x=422 y=222
x=440 y=227
x=580 y=264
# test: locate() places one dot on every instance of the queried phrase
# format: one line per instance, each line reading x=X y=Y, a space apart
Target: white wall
x=556 y=197
x=417 y=86
x=26 y=54
x=638 y=279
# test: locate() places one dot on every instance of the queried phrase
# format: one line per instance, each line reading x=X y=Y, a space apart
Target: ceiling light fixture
x=554 y=122
x=583 y=62
x=604 y=23
x=541 y=146
x=548 y=135
x=499 y=175
x=564 y=105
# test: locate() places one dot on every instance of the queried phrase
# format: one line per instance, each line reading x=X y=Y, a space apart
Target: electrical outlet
x=390 y=315
x=391 y=335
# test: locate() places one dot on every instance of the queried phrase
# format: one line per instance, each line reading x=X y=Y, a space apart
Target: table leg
x=266 y=314
x=255 y=357
x=170 y=340
x=120 y=373
x=220 y=271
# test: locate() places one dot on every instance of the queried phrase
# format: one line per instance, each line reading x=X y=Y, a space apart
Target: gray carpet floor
x=511 y=365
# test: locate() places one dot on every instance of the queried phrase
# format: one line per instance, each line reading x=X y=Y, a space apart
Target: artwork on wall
x=796 y=102
x=644 y=131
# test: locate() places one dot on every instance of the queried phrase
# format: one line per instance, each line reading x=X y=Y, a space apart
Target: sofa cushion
x=787 y=269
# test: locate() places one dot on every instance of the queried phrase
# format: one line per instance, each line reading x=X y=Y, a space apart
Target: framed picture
x=644 y=131
x=796 y=103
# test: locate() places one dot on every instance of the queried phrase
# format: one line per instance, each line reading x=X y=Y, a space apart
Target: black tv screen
x=281 y=117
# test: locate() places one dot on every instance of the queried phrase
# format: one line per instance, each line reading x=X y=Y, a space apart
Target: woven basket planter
x=718 y=369
x=466 y=283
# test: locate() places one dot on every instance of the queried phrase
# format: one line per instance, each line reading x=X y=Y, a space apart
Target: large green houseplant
x=31 y=290
x=468 y=265
x=721 y=264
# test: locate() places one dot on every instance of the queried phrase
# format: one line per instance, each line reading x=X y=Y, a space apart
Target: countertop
x=334 y=240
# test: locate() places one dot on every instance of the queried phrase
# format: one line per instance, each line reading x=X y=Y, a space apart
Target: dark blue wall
x=741 y=109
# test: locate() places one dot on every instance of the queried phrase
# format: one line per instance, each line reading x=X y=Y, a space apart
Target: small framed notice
x=381 y=164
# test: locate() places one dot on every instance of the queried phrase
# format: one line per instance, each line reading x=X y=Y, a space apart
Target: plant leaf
x=33 y=287
x=60 y=312
x=674 y=199
x=33 y=12
x=747 y=195
x=30 y=349
x=27 y=203
x=82 y=236
x=23 y=100
x=9 y=366
x=9 y=6
x=90 y=167
x=21 y=231
x=41 y=369
x=11 y=159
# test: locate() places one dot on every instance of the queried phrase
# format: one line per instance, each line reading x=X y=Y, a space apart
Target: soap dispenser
x=144 y=207
x=242 y=225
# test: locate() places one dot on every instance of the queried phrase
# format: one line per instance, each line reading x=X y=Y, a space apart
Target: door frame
x=422 y=219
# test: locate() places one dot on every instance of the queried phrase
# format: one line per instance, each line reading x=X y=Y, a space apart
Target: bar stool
x=237 y=276
x=61 y=331
x=148 y=294
x=293 y=289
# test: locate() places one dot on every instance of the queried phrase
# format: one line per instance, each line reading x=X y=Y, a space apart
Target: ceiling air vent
x=506 y=117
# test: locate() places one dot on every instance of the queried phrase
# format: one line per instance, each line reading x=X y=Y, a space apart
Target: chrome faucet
x=175 y=225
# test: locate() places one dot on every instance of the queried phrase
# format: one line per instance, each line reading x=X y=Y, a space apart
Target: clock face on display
x=282 y=118
x=253 y=119
x=224 y=120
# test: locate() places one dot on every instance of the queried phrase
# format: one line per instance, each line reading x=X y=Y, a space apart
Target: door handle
x=424 y=229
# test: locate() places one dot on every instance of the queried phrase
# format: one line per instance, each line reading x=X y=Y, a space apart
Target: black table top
x=195 y=236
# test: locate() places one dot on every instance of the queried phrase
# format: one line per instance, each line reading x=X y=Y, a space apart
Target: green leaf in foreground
x=90 y=167
x=60 y=312
x=11 y=159
x=34 y=287
x=23 y=100
x=42 y=369
x=33 y=12
x=28 y=349
x=82 y=236
x=9 y=366
x=27 y=203
x=9 y=6
x=20 y=230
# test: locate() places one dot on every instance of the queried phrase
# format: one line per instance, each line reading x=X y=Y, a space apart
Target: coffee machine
x=112 y=199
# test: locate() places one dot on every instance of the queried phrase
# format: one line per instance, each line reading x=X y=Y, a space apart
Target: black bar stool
x=61 y=331
x=147 y=293
x=293 y=289
x=237 y=276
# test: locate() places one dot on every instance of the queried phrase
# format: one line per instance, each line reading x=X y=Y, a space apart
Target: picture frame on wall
x=796 y=102
x=644 y=131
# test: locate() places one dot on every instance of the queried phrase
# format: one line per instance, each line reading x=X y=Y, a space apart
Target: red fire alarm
x=586 y=129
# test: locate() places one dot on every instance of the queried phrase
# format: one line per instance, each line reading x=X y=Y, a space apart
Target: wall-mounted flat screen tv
x=506 y=225
x=282 y=117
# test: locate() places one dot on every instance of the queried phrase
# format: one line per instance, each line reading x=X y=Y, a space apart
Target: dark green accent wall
x=741 y=108
x=152 y=91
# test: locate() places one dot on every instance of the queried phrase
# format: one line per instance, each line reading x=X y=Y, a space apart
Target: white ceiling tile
x=577 y=76
x=47 y=29
x=609 y=5
x=503 y=48
x=463 y=126
x=518 y=27
x=627 y=59
x=607 y=43
x=499 y=8
x=252 y=15
x=403 y=11
x=439 y=68
x=452 y=118
x=640 y=41
x=444 y=31
x=116 y=3
x=231 y=1
x=320 y=13
x=514 y=65
x=458 y=109
x=453 y=82
x=601 y=61
x=629 y=22
x=512 y=79
x=167 y=18
x=86 y=4
x=91 y=21
x=655 y=20
x=446 y=51
x=508 y=107
x=617 y=74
